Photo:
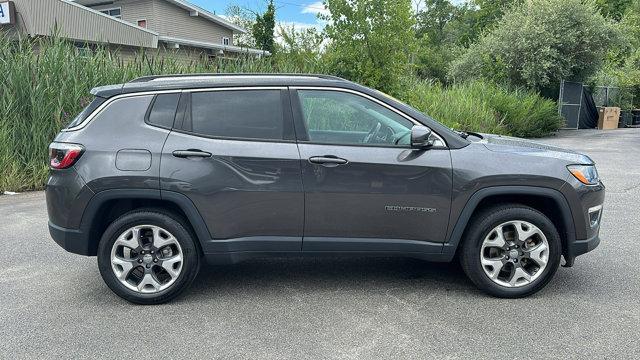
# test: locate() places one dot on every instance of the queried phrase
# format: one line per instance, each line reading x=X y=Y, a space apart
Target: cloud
x=297 y=25
x=301 y=25
x=315 y=8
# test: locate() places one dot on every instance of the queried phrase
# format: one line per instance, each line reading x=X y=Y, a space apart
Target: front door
x=234 y=156
x=365 y=188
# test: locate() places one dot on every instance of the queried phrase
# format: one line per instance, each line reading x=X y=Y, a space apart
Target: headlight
x=586 y=174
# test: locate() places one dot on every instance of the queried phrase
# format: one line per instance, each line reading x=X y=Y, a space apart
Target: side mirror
x=421 y=137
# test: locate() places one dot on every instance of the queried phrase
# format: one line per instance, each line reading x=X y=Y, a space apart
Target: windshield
x=86 y=112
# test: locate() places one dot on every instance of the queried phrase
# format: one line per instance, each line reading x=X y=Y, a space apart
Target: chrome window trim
x=240 y=88
x=379 y=102
x=100 y=108
x=156 y=92
x=237 y=88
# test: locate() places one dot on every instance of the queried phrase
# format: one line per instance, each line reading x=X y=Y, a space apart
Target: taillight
x=62 y=156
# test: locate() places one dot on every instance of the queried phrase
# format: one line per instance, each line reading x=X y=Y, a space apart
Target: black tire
x=484 y=222
x=172 y=224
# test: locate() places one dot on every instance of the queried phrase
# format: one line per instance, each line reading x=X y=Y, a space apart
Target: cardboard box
x=608 y=118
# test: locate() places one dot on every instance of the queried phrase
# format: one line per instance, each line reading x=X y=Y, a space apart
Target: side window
x=335 y=117
x=246 y=114
x=163 y=110
x=88 y=110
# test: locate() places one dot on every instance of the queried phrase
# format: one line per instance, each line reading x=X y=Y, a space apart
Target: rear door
x=234 y=156
x=365 y=188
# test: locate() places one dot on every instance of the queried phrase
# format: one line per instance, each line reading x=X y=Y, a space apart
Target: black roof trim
x=275 y=75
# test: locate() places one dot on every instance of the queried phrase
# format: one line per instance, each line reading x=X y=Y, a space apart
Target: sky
x=302 y=13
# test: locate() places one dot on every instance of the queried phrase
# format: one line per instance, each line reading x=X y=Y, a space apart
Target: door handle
x=328 y=160
x=191 y=153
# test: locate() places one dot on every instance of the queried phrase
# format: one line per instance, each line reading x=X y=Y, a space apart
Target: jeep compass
x=164 y=173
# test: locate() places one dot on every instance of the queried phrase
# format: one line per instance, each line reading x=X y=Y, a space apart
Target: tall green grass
x=44 y=83
x=485 y=107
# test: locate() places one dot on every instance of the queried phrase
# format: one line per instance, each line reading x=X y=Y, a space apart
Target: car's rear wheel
x=511 y=251
x=147 y=257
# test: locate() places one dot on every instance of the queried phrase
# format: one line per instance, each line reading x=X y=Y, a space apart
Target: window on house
x=142 y=23
x=225 y=41
x=116 y=13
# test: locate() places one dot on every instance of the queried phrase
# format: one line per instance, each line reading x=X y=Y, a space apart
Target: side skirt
x=237 y=250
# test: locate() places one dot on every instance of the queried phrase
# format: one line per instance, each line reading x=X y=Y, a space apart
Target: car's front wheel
x=147 y=257
x=511 y=251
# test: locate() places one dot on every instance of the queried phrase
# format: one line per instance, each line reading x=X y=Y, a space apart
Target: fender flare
x=470 y=207
x=182 y=201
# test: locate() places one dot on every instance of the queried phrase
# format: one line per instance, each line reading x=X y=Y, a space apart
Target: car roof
x=195 y=81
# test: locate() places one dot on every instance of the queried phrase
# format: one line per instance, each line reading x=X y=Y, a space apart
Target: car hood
x=520 y=146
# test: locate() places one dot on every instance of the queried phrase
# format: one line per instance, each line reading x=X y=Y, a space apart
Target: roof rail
x=204 y=75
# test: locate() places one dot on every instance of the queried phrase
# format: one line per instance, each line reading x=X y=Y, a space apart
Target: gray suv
x=162 y=173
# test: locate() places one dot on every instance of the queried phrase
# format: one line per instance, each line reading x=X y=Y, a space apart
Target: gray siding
x=39 y=17
x=170 y=20
x=134 y=10
x=176 y=22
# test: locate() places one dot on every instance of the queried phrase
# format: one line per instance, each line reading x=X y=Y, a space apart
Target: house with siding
x=176 y=28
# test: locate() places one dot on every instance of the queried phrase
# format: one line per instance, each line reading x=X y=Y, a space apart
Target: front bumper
x=579 y=247
x=586 y=203
x=74 y=241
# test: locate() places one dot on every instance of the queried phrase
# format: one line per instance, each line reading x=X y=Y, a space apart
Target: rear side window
x=248 y=114
x=88 y=110
x=163 y=110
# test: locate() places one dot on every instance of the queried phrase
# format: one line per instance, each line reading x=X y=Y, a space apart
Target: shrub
x=538 y=43
x=481 y=106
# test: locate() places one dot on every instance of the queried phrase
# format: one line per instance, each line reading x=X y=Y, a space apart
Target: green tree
x=245 y=19
x=264 y=27
x=444 y=29
x=371 y=41
x=300 y=47
x=540 y=42
x=488 y=12
x=613 y=9
x=631 y=24
x=433 y=19
x=622 y=68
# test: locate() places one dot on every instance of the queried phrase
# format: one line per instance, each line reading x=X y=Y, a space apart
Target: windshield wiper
x=462 y=134
x=466 y=134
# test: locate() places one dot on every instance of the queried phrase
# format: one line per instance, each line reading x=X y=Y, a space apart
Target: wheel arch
x=106 y=206
x=546 y=200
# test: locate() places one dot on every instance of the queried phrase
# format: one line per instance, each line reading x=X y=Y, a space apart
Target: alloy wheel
x=514 y=253
x=146 y=258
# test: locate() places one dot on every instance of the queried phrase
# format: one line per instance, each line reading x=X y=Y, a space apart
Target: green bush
x=485 y=107
x=539 y=43
x=42 y=90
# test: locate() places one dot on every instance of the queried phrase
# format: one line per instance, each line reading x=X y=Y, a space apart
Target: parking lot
x=55 y=305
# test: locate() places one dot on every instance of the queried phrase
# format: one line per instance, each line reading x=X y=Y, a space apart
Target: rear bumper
x=74 y=241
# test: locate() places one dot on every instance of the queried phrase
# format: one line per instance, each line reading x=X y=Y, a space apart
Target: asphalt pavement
x=55 y=305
